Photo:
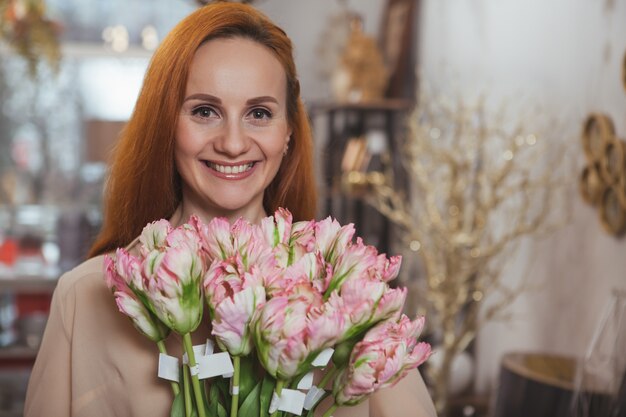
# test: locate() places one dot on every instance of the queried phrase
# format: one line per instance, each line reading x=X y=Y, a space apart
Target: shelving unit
x=345 y=121
x=27 y=284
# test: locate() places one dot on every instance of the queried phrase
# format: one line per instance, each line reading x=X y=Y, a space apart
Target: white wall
x=304 y=21
x=565 y=55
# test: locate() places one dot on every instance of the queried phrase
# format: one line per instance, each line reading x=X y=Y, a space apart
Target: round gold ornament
x=612 y=214
x=612 y=161
x=591 y=185
x=597 y=131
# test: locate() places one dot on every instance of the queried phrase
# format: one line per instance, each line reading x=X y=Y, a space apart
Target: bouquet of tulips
x=283 y=298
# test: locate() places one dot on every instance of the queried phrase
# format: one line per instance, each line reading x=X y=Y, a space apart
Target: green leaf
x=214 y=400
x=223 y=387
x=221 y=411
x=249 y=407
x=267 y=389
x=247 y=380
x=178 y=406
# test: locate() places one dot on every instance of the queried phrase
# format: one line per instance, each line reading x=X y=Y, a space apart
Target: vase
x=600 y=384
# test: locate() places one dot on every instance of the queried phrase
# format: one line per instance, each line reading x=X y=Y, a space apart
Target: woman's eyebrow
x=217 y=100
x=262 y=99
x=204 y=97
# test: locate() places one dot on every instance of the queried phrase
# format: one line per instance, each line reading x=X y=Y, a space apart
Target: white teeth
x=228 y=169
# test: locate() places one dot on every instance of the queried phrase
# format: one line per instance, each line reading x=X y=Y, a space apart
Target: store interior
x=484 y=141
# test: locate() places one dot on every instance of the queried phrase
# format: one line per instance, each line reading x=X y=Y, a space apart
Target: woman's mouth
x=231 y=171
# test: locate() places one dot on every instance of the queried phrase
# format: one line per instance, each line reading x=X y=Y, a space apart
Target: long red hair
x=143 y=184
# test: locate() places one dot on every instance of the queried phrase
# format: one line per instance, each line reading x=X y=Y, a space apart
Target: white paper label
x=323 y=358
x=198 y=350
x=194 y=370
x=209 y=347
x=290 y=400
x=312 y=397
x=214 y=365
x=168 y=368
x=306 y=381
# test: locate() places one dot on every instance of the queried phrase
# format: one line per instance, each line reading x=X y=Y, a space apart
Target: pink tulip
x=216 y=238
x=302 y=239
x=354 y=263
x=233 y=296
x=384 y=356
x=172 y=273
x=153 y=236
x=331 y=238
x=387 y=269
x=121 y=272
x=276 y=229
x=290 y=331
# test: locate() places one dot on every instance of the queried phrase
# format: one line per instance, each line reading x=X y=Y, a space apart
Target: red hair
x=143 y=184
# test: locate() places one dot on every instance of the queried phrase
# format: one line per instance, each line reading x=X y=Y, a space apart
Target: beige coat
x=93 y=363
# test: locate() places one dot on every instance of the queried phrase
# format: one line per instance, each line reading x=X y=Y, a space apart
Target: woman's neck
x=186 y=210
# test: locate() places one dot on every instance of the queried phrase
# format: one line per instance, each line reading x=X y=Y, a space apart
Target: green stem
x=234 y=405
x=195 y=382
x=278 y=389
x=186 y=393
x=163 y=350
x=329 y=374
x=330 y=411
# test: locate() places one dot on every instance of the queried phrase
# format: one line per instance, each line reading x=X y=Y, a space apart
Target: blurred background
x=481 y=139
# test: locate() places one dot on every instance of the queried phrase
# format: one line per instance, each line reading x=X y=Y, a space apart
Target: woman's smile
x=231 y=171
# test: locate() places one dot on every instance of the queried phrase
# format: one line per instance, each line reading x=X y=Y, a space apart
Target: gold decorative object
x=612 y=212
x=591 y=184
x=612 y=162
x=597 y=131
x=603 y=179
x=361 y=75
x=23 y=24
x=476 y=186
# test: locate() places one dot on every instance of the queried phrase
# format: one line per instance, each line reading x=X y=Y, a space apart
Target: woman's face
x=232 y=129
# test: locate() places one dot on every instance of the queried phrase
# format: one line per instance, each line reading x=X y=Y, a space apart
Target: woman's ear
x=287 y=140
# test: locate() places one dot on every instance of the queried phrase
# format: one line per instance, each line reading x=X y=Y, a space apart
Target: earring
x=286 y=149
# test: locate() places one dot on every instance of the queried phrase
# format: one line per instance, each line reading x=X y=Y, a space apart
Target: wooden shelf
x=18 y=353
x=27 y=284
x=393 y=104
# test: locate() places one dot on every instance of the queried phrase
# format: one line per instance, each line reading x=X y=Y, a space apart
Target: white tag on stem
x=214 y=365
x=323 y=358
x=306 y=381
x=290 y=400
x=312 y=397
x=168 y=367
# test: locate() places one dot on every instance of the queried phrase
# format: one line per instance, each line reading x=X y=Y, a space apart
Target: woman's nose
x=233 y=141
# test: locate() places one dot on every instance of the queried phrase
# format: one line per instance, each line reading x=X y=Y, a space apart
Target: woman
x=219 y=129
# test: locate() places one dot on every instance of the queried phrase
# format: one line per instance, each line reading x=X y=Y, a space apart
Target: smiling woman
x=219 y=129
x=232 y=132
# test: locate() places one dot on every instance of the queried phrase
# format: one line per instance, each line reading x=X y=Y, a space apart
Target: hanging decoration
x=602 y=182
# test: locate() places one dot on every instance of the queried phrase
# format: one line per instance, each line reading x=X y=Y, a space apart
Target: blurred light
x=149 y=38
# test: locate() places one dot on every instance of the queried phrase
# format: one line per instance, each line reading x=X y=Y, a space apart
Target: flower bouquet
x=283 y=299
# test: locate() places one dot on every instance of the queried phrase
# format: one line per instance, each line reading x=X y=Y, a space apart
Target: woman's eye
x=260 y=114
x=203 y=111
